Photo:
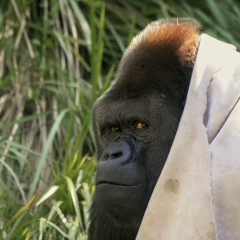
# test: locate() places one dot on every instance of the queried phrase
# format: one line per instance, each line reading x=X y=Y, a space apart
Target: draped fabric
x=198 y=193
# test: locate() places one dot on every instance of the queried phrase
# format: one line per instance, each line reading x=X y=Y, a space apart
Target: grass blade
x=45 y=152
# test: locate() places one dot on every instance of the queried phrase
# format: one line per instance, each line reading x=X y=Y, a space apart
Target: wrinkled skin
x=135 y=123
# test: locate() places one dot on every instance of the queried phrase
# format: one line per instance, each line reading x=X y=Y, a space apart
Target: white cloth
x=198 y=193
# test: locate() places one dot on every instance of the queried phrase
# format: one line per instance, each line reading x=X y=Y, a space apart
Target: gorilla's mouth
x=117 y=184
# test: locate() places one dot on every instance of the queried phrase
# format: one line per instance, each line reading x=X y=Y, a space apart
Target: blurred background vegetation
x=56 y=58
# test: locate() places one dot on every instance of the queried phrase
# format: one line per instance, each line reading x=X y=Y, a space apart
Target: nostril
x=104 y=157
x=111 y=155
x=116 y=155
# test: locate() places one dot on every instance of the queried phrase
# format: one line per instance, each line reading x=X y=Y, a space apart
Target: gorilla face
x=135 y=123
x=135 y=137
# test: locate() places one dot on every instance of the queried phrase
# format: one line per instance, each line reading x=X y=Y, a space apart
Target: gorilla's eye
x=140 y=125
x=115 y=129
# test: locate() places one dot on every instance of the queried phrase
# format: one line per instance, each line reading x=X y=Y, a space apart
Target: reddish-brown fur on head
x=161 y=57
x=179 y=37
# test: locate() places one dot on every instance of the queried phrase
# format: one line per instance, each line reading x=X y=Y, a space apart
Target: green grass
x=56 y=58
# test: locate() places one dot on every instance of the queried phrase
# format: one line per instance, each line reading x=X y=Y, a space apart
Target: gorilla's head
x=135 y=123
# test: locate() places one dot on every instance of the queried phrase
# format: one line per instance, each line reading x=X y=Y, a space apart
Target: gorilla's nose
x=119 y=151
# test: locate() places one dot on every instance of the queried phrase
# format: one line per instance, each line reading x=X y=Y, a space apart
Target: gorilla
x=135 y=123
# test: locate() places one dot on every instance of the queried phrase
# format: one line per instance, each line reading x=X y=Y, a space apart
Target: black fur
x=135 y=123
